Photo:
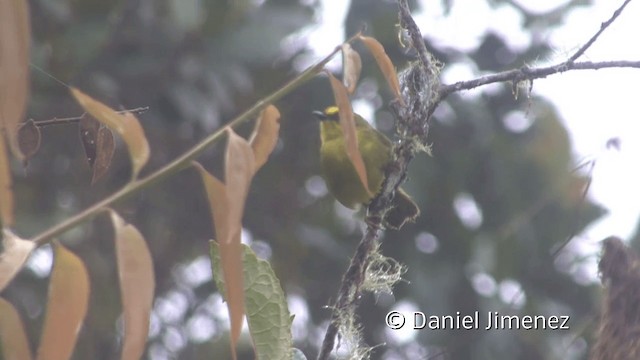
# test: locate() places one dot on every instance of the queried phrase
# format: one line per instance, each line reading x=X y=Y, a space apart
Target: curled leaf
x=15 y=41
x=351 y=67
x=88 y=128
x=228 y=233
x=227 y=203
x=67 y=305
x=105 y=147
x=137 y=285
x=265 y=135
x=218 y=201
x=14 y=255
x=348 y=126
x=28 y=139
x=239 y=170
x=125 y=125
x=384 y=64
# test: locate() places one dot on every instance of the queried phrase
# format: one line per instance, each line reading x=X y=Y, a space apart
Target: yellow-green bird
x=341 y=176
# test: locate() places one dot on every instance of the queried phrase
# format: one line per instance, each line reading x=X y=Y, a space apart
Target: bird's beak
x=319 y=115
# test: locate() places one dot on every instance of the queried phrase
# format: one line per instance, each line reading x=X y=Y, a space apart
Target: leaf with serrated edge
x=351 y=67
x=67 y=305
x=267 y=310
x=15 y=42
x=125 y=125
x=265 y=135
x=13 y=339
x=348 y=125
x=137 y=284
x=15 y=254
x=384 y=63
x=6 y=194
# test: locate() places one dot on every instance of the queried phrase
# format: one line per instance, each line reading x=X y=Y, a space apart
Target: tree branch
x=526 y=73
x=349 y=293
x=413 y=128
x=595 y=36
x=422 y=94
x=76 y=119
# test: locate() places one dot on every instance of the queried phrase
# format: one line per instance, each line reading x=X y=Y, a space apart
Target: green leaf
x=266 y=307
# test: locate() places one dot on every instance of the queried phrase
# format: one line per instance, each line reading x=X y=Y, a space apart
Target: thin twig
x=595 y=36
x=574 y=226
x=406 y=21
x=75 y=119
x=526 y=73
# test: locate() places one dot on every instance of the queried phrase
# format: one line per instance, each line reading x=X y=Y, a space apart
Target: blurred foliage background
x=497 y=197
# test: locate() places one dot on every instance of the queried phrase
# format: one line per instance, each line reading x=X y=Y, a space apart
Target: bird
x=341 y=177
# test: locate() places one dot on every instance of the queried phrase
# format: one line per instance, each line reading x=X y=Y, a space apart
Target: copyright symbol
x=395 y=320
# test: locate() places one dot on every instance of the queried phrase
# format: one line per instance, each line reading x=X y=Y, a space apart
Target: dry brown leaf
x=15 y=254
x=239 y=165
x=6 y=194
x=351 y=67
x=67 y=305
x=137 y=144
x=265 y=135
x=218 y=199
x=384 y=63
x=231 y=259
x=227 y=206
x=105 y=147
x=15 y=41
x=137 y=284
x=28 y=140
x=13 y=339
x=126 y=126
x=88 y=128
x=348 y=125
x=239 y=170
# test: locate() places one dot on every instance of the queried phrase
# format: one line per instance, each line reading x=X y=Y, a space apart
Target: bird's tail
x=404 y=210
